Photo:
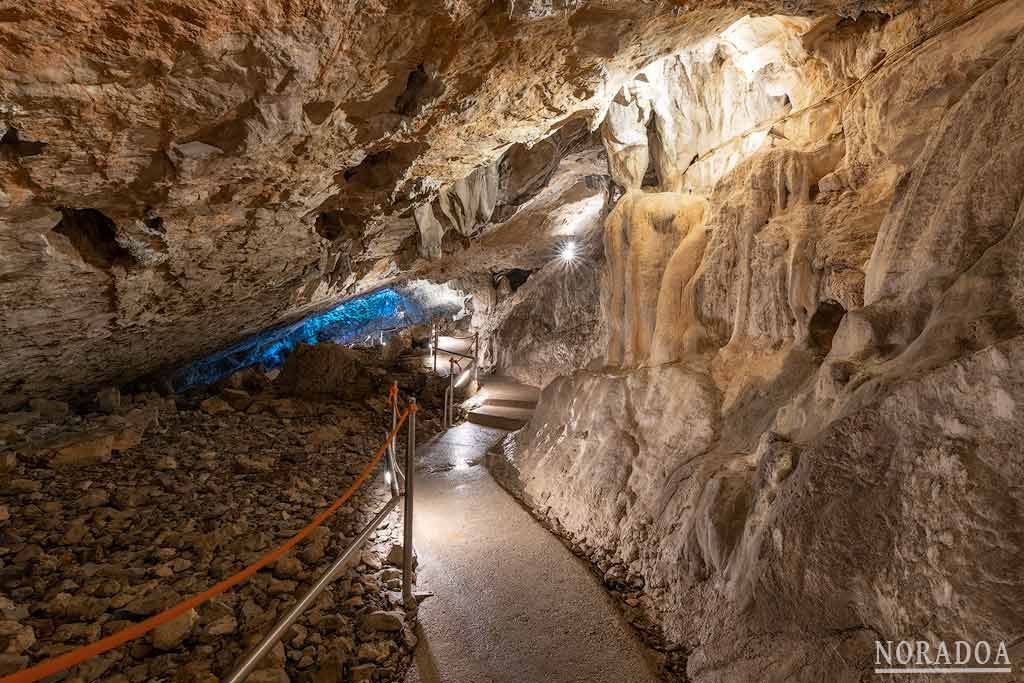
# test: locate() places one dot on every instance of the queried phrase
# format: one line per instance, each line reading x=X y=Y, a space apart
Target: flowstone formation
x=804 y=434
x=175 y=176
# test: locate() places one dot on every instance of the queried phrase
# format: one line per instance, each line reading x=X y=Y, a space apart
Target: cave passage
x=705 y=321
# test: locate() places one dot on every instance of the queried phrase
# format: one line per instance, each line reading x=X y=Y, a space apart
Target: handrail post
x=407 y=549
x=392 y=461
x=433 y=335
x=476 y=360
x=451 y=391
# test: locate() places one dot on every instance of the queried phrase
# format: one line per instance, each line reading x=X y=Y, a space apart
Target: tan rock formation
x=812 y=445
x=783 y=376
x=176 y=176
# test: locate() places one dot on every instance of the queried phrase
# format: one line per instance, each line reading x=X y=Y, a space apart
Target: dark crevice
x=155 y=225
x=515 y=278
x=823 y=325
x=420 y=89
x=12 y=145
x=335 y=225
x=651 y=178
x=317 y=112
x=93 y=235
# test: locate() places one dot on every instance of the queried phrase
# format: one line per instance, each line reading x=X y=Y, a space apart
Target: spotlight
x=387 y=477
x=568 y=252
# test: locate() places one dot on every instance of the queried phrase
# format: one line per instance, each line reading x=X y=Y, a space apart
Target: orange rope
x=76 y=657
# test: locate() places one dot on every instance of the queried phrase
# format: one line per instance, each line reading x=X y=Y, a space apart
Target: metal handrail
x=251 y=660
x=407 y=550
x=448 y=417
x=474 y=349
x=455 y=353
x=449 y=395
x=394 y=473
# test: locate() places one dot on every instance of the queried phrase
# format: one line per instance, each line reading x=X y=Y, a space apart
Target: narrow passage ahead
x=511 y=603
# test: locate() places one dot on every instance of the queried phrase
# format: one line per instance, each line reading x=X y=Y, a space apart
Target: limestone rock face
x=804 y=434
x=550 y=325
x=175 y=176
x=782 y=360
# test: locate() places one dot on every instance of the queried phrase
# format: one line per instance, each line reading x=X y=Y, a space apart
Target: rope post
x=476 y=359
x=392 y=469
x=449 y=402
x=407 y=549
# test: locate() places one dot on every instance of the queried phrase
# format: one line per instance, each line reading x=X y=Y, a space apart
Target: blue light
x=344 y=324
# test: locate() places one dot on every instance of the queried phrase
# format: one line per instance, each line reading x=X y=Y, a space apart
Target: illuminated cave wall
x=345 y=323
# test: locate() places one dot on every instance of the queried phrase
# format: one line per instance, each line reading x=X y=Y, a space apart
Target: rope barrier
x=87 y=652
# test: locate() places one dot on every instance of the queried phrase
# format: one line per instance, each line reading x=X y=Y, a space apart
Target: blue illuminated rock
x=349 y=322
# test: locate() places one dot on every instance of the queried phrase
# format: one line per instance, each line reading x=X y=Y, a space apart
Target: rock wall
x=549 y=326
x=174 y=177
x=805 y=437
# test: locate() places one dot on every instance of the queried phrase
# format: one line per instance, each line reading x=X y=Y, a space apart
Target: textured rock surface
x=805 y=437
x=89 y=549
x=787 y=422
x=175 y=176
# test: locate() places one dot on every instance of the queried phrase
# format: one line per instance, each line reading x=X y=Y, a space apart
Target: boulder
x=238 y=399
x=288 y=567
x=254 y=464
x=170 y=635
x=251 y=379
x=382 y=621
x=108 y=400
x=86 y=448
x=396 y=555
x=215 y=405
x=325 y=371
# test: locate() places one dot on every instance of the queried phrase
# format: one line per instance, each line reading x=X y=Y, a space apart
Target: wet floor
x=511 y=603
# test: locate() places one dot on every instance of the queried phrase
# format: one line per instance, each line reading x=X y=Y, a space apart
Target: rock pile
x=106 y=519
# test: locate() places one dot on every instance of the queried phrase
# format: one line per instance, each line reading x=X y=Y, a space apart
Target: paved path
x=457 y=344
x=511 y=604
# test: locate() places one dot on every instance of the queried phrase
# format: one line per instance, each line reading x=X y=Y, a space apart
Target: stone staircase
x=503 y=403
x=500 y=402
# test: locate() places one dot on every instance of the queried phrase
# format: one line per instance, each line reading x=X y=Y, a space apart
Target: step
x=509 y=403
x=506 y=390
x=500 y=417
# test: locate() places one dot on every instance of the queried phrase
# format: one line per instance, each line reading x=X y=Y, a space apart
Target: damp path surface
x=511 y=603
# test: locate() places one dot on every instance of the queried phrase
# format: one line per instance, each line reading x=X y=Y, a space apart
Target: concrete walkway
x=511 y=604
